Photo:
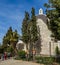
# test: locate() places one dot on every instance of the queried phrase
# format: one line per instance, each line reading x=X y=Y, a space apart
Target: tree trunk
x=13 y=44
x=27 y=48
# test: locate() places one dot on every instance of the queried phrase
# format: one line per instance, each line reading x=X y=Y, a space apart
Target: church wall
x=47 y=46
x=44 y=37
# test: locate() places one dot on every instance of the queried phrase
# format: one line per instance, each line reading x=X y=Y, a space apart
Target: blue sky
x=12 y=13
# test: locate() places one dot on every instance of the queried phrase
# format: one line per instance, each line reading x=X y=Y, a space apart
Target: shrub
x=57 y=50
x=1 y=49
x=22 y=54
x=57 y=57
x=45 y=60
x=10 y=49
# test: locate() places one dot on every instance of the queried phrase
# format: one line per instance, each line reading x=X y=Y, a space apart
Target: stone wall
x=47 y=45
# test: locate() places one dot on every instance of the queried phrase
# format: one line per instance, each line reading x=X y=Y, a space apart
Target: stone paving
x=17 y=62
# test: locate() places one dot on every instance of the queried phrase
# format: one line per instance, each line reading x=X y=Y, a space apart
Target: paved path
x=17 y=62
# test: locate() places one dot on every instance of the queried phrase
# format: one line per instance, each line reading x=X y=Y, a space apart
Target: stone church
x=47 y=43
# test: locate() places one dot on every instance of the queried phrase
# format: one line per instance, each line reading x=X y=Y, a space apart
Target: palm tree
x=10 y=38
x=14 y=40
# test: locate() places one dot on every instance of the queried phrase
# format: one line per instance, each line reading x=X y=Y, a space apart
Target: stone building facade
x=47 y=43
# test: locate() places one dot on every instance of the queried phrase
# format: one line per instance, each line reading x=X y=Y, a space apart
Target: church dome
x=42 y=16
x=20 y=42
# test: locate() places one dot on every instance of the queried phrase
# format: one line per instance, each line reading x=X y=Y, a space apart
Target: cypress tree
x=25 y=34
x=34 y=31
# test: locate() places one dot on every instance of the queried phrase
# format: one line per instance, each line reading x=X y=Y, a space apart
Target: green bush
x=22 y=54
x=10 y=49
x=57 y=57
x=17 y=58
x=44 y=60
x=57 y=51
x=1 y=49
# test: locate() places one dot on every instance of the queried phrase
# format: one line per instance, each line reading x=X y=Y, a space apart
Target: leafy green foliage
x=10 y=49
x=53 y=13
x=1 y=49
x=45 y=60
x=22 y=54
x=57 y=50
x=10 y=39
x=34 y=31
x=25 y=34
x=29 y=30
x=29 y=25
x=25 y=28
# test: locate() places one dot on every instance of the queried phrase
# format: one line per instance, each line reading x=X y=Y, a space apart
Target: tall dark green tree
x=53 y=14
x=25 y=34
x=10 y=39
x=29 y=30
x=34 y=32
x=13 y=40
x=6 y=38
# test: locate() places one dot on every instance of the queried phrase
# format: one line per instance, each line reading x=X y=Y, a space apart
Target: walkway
x=16 y=62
